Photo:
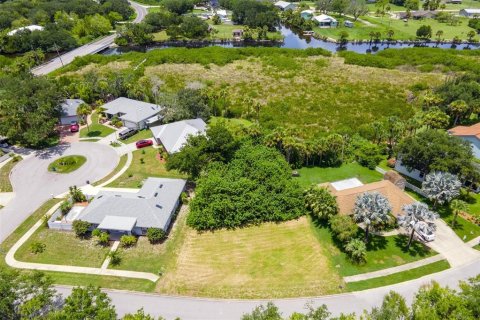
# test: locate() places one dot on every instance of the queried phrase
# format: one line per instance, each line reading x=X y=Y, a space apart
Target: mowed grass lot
x=5 y=185
x=266 y=261
x=144 y=164
x=63 y=248
x=95 y=129
x=316 y=175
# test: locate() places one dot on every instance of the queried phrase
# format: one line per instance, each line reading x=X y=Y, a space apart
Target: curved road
x=33 y=184
x=89 y=48
x=217 y=309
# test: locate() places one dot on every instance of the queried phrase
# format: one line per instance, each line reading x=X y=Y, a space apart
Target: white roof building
x=173 y=136
x=284 y=5
x=469 y=12
x=31 y=28
x=323 y=18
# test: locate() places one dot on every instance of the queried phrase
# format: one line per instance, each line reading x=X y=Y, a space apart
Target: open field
x=5 y=185
x=399 y=277
x=95 y=129
x=144 y=164
x=316 y=175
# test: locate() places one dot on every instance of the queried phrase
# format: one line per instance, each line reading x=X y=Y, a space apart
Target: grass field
x=63 y=248
x=95 y=129
x=5 y=185
x=399 y=277
x=316 y=175
x=139 y=171
x=142 y=134
x=121 y=163
x=270 y=260
x=67 y=164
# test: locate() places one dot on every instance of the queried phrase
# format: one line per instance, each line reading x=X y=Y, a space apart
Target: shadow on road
x=52 y=152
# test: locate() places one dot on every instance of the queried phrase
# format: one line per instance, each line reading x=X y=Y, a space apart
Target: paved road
x=33 y=184
x=211 y=309
x=90 y=48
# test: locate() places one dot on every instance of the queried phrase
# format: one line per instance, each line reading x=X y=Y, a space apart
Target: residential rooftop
x=132 y=110
x=70 y=106
x=465 y=131
x=173 y=136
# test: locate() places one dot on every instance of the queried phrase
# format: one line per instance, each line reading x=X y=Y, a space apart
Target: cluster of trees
x=67 y=23
x=355 y=8
x=252 y=13
x=430 y=302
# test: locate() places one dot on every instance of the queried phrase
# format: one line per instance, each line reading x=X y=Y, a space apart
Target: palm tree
x=458 y=108
x=414 y=214
x=83 y=111
x=457 y=206
x=439 y=35
x=371 y=208
x=441 y=187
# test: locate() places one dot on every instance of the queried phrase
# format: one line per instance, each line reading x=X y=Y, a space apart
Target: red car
x=74 y=127
x=143 y=143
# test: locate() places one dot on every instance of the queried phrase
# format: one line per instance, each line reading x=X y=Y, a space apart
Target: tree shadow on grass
x=417 y=249
x=376 y=243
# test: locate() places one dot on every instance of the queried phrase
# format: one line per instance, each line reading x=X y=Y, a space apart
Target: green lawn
x=138 y=171
x=121 y=163
x=5 y=185
x=383 y=165
x=316 y=175
x=382 y=252
x=140 y=135
x=477 y=247
x=399 y=277
x=95 y=129
x=63 y=248
x=67 y=164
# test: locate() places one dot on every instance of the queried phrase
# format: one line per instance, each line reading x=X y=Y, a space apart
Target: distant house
x=284 y=5
x=222 y=14
x=122 y=212
x=470 y=134
x=31 y=28
x=69 y=110
x=418 y=15
x=470 y=13
x=325 y=21
x=348 y=24
x=237 y=33
x=173 y=136
x=133 y=113
x=414 y=174
x=347 y=192
x=307 y=14
x=454 y=1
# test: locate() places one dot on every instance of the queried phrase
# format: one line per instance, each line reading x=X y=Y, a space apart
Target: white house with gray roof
x=123 y=212
x=173 y=136
x=69 y=110
x=133 y=113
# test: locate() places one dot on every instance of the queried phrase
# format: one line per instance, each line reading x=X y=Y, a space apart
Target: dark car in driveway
x=127 y=133
x=143 y=143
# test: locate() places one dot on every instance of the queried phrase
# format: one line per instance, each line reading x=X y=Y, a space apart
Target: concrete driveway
x=33 y=184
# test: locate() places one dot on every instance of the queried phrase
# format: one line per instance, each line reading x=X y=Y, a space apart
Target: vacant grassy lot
x=67 y=164
x=316 y=175
x=399 y=277
x=95 y=129
x=144 y=164
x=270 y=260
x=63 y=248
x=121 y=163
x=5 y=185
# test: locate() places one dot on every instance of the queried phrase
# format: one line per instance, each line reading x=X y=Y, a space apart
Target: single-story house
x=470 y=134
x=418 y=15
x=470 y=13
x=152 y=206
x=237 y=33
x=325 y=21
x=307 y=14
x=31 y=28
x=284 y=5
x=414 y=174
x=454 y=1
x=133 y=113
x=348 y=24
x=69 y=110
x=173 y=136
x=222 y=13
x=347 y=192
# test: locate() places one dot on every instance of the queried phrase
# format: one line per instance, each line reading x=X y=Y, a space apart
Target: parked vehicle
x=74 y=127
x=143 y=143
x=425 y=231
x=127 y=133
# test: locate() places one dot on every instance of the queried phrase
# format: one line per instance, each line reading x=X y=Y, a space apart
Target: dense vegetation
x=253 y=13
x=254 y=187
x=66 y=23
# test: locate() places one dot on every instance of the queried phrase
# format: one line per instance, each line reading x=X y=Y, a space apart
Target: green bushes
x=128 y=240
x=356 y=250
x=255 y=187
x=102 y=237
x=81 y=228
x=156 y=235
x=343 y=228
x=37 y=247
x=65 y=207
x=320 y=203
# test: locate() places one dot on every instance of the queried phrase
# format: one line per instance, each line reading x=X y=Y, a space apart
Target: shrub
x=320 y=203
x=77 y=194
x=115 y=257
x=356 y=250
x=96 y=233
x=80 y=228
x=184 y=198
x=343 y=228
x=65 y=207
x=103 y=238
x=37 y=247
x=155 y=235
x=128 y=240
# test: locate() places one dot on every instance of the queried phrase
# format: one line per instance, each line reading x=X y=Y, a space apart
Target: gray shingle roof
x=151 y=206
x=174 y=135
x=70 y=106
x=133 y=110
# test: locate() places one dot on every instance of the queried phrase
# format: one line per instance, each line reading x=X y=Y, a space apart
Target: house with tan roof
x=347 y=192
x=470 y=134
